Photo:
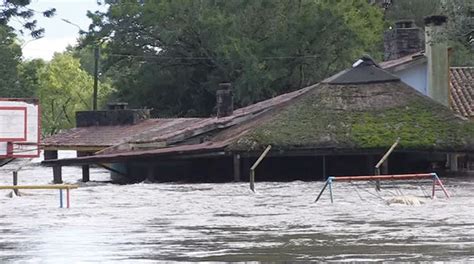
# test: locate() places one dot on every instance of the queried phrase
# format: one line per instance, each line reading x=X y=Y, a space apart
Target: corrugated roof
x=462 y=90
x=170 y=131
x=116 y=157
x=105 y=136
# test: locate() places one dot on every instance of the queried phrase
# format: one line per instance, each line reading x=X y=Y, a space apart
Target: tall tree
x=29 y=76
x=64 y=88
x=460 y=14
x=170 y=55
x=10 y=57
x=19 y=9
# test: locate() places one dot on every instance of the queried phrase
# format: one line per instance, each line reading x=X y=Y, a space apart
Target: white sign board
x=19 y=128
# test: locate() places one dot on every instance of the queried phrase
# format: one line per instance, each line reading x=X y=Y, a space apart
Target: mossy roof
x=360 y=116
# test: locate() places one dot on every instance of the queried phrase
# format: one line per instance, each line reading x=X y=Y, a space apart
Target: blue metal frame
x=60 y=198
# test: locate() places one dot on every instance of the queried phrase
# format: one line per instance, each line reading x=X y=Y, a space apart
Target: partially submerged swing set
x=433 y=176
x=377 y=178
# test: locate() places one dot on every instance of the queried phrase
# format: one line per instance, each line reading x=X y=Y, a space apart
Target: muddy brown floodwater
x=227 y=222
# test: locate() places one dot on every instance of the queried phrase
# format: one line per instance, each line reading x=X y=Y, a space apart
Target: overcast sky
x=58 y=34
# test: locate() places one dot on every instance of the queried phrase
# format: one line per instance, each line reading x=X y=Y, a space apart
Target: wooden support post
x=85 y=173
x=150 y=171
x=324 y=167
x=384 y=163
x=254 y=166
x=57 y=174
x=236 y=167
x=15 y=183
x=370 y=165
x=453 y=162
x=385 y=167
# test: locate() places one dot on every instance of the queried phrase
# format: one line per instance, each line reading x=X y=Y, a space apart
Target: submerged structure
x=340 y=126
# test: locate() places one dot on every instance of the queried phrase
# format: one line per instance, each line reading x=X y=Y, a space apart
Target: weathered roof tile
x=462 y=90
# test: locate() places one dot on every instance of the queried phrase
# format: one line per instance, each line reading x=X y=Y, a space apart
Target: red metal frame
x=35 y=102
x=384 y=177
x=25 y=120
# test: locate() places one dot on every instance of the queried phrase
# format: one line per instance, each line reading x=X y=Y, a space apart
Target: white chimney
x=436 y=50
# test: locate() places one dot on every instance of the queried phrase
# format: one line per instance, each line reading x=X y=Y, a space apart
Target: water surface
x=227 y=222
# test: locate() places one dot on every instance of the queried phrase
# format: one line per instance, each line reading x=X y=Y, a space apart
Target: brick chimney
x=115 y=115
x=225 y=100
x=403 y=40
x=436 y=51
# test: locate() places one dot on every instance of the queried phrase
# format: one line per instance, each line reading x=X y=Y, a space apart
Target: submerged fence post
x=67 y=198
x=254 y=166
x=60 y=198
x=434 y=188
x=382 y=160
x=322 y=190
x=15 y=183
x=441 y=185
x=330 y=189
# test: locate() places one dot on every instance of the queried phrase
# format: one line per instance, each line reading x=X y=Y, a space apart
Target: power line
x=207 y=58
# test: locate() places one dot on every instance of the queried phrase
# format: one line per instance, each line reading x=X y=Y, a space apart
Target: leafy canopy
x=460 y=22
x=18 y=10
x=65 y=88
x=171 y=55
x=10 y=58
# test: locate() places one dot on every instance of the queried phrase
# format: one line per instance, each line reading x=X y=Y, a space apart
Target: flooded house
x=420 y=58
x=342 y=125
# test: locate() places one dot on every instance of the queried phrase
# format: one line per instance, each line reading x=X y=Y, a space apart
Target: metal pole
x=442 y=186
x=252 y=180
x=67 y=198
x=387 y=154
x=96 y=75
x=60 y=198
x=322 y=190
x=252 y=169
x=15 y=183
x=330 y=189
x=382 y=160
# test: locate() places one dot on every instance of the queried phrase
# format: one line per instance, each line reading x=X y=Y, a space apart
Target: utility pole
x=96 y=65
x=96 y=75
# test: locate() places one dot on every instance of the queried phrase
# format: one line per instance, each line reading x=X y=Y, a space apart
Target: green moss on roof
x=361 y=117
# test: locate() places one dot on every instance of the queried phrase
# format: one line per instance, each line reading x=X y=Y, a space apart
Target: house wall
x=415 y=76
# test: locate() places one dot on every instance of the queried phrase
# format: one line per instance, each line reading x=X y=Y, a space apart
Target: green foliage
x=10 y=57
x=415 y=10
x=461 y=30
x=460 y=15
x=19 y=9
x=29 y=78
x=171 y=55
x=65 y=88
